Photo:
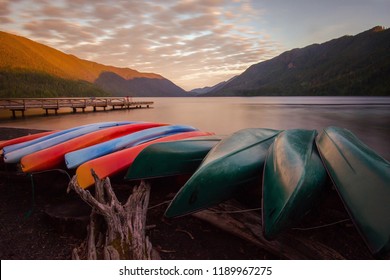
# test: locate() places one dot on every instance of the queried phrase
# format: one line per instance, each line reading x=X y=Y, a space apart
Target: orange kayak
x=24 y=138
x=53 y=157
x=120 y=161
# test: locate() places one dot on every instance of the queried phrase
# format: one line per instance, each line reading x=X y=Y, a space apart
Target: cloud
x=193 y=43
x=4 y=8
x=4 y=12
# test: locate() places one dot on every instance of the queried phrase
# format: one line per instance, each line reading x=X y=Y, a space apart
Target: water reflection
x=371 y=123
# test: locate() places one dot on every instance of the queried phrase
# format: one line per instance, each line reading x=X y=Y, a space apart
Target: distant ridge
x=38 y=68
x=204 y=90
x=350 y=65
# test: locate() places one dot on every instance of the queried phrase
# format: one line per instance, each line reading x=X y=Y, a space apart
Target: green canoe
x=234 y=162
x=293 y=180
x=171 y=158
x=362 y=179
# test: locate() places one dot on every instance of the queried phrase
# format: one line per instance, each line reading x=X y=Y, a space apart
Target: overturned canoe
x=26 y=138
x=76 y=158
x=120 y=161
x=362 y=179
x=53 y=157
x=293 y=180
x=171 y=158
x=236 y=161
x=53 y=139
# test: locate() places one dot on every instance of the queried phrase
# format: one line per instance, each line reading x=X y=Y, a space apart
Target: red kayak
x=53 y=157
x=117 y=162
x=24 y=138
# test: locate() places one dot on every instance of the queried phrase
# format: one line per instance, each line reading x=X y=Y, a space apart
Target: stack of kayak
x=290 y=167
x=108 y=147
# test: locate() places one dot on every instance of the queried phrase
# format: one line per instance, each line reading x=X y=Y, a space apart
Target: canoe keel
x=293 y=180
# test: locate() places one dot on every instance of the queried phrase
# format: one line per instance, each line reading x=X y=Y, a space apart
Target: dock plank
x=23 y=104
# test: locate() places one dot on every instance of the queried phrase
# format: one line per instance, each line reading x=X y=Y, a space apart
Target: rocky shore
x=41 y=221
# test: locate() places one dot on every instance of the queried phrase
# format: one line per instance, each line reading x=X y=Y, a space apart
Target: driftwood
x=116 y=230
x=229 y=216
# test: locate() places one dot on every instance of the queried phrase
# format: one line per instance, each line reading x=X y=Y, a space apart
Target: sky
x=193 y=43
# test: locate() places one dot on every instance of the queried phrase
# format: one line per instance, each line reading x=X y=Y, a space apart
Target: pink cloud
x=176 y=39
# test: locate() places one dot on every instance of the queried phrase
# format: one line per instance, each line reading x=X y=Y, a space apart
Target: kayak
x=76 y=158
x=53 y=157
x=53 y=139
x=293 y=180
x=362 y=179
x=235 y=162
x=13 y=147
x=120 y=161
x=1 y=153
x=25 y=138
x=171 y=158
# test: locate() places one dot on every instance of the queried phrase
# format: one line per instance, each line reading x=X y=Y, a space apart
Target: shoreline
x=29 y=232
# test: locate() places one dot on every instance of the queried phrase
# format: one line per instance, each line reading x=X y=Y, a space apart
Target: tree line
x=24 y=83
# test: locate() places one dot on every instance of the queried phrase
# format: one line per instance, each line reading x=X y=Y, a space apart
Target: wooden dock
x=74 y=103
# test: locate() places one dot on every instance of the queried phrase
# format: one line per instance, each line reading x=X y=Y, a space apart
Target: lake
x=367 y=117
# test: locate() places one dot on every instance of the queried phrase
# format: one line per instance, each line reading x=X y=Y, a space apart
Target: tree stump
x=116 y=230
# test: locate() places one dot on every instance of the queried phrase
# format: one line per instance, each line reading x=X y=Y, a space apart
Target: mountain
x=203 y=90
x=28 y=68
x=200 y=91
x=142 y=86
x=350 y=65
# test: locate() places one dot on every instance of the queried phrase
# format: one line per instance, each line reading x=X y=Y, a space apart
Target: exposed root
x=115 y=231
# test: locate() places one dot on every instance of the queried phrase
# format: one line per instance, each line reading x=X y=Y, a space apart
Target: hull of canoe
x=362 y=179
x=171 y=158
x=53 y=139
x=53 y=157
x=76 y=158
x=120 y=161
x=293 y=180
x=235 y=162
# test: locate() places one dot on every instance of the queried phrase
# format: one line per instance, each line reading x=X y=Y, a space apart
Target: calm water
x=367 y=117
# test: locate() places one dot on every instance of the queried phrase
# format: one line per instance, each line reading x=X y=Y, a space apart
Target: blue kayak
x=14 y=156
x=14 y=147
x=76 y=158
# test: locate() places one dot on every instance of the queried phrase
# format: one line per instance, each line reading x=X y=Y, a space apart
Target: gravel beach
x=29 y=229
